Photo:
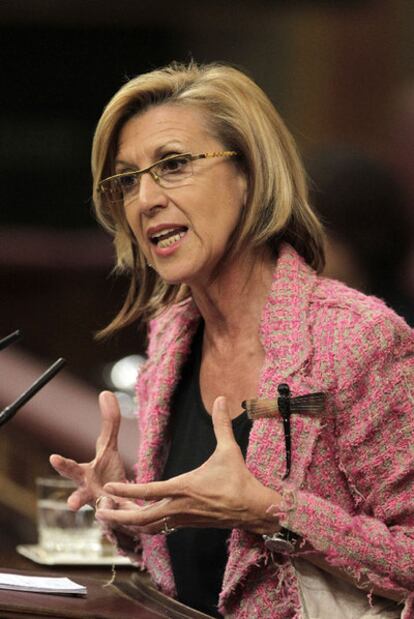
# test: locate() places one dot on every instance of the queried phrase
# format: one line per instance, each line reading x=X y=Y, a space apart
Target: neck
x=232 y=304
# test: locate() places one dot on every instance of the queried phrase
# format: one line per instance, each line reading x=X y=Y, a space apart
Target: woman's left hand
x=221 y=493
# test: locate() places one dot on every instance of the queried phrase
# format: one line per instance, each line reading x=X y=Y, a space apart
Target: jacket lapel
x=162 y=374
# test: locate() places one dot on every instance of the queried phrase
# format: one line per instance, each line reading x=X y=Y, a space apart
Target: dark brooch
x=285 y=406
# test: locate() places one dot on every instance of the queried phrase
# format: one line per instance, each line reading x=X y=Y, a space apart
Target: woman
x=200 y=183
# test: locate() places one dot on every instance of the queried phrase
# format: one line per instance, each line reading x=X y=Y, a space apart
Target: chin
x=178 y=278
x=188 y=271
x=172 y=278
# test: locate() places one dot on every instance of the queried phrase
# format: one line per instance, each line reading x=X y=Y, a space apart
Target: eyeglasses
x=168 y=172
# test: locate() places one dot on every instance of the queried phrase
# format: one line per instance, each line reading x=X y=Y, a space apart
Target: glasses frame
x=156 y=177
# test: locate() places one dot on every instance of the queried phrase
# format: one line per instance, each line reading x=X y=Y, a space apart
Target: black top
x=198 y=556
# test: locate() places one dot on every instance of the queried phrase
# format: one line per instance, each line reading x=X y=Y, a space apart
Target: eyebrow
x=159 y=153
x=125 y=164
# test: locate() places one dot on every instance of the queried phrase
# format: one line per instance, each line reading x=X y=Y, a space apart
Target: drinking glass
x=61 y=530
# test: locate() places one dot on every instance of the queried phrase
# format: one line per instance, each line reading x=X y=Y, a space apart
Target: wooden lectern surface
x=100 y=603
x=130 y=597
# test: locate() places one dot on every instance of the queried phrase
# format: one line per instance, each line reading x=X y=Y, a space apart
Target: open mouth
x=168 y=237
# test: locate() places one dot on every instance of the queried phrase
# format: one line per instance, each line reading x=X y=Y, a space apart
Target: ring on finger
x=166 y=529
x=98 y=500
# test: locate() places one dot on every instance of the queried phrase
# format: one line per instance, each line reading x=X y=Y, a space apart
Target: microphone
x=8 y=413
x=9 y=339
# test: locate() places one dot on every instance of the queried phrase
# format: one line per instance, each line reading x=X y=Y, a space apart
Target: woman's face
x=184 y=229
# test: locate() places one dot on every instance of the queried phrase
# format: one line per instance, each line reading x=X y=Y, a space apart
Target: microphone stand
x=9 y=339
x=7 y=413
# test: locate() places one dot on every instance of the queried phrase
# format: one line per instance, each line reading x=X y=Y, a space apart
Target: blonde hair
x=242 y=117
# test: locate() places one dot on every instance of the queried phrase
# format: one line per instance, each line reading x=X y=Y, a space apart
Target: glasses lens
x=117 y=190
x=111 y=190
x=174 y=170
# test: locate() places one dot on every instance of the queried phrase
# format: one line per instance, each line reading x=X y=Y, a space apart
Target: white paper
x=40 y=584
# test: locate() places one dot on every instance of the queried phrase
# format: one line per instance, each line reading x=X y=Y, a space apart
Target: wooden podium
x=132 y=598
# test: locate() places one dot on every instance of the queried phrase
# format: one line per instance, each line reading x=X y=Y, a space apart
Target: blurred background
x=341 y=73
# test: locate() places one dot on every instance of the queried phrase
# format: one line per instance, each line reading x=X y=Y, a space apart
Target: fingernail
x=221 y=404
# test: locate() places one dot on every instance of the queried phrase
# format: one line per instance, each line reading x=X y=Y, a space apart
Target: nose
x=150 y=196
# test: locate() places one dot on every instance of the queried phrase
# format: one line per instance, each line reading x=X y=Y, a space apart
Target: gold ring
x=166 y=529
x=98 y=500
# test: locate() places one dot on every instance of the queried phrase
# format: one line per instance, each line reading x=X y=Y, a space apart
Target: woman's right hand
x=106 y=466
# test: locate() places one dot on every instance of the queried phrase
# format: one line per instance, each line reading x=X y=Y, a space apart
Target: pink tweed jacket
x=351 y=487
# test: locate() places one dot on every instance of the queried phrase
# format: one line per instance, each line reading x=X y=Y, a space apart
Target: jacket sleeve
x=375 y=449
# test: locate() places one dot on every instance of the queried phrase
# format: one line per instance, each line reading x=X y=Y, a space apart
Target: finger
x=79 y=498
x=111 y=420
x=67 y=468
x=155 y=528
x=124 y=517
x=164 y=526
x=142 y=514
x=222 y=425
x=104 y=502
x=155 y=490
